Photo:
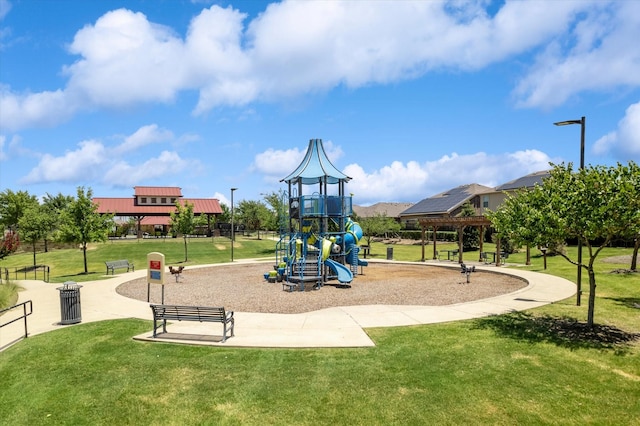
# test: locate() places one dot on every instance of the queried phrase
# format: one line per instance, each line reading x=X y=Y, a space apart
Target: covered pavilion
x=154 y=205
x=458 y=222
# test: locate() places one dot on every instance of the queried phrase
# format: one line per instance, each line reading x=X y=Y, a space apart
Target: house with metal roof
x=153 y=205
x=391 y=210
x=445 y=204
x=482 y=198
x=492 y=199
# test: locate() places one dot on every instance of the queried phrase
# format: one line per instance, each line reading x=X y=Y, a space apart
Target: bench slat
x=112 y=265
x=192 y=313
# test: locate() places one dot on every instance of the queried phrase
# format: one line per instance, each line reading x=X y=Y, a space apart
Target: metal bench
x=112 y=265
x=192 y=313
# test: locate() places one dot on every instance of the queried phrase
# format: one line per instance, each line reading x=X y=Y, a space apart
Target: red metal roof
x=157 y=191
x=155 y=220
x=126 y=207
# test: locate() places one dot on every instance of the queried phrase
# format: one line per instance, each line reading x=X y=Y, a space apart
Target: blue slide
x=344 y=274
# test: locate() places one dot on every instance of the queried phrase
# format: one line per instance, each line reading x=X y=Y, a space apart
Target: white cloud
x=600 y=57
x=145 y=135
x=34 y=109
x=83 y=164
x=12 y=149
x=126 y=59
x=413 y=182
x=5 y=7
x=93 y=161
x=294 y=48
x=276 y=164
x=624 y=142
x=125 y=174
x=223 y=199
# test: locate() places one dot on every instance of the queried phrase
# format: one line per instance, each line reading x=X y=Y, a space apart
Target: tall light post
x=233 y=237
x=582 y=123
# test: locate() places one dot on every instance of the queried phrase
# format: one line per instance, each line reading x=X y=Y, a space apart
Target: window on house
x=485 y=201
x=173 y=201
x=143 y=200
x=154 y=200
x=163 y=201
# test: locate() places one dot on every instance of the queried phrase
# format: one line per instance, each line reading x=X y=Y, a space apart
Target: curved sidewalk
x=332 y=327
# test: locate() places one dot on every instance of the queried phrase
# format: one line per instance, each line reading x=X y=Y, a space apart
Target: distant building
x=151 y=206
x=445 y=204
x=482 y=198
x=391 y=210
x=492 y=200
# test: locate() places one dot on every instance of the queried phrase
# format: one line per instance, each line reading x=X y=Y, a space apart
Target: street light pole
x=233 y=237
x=582 y=123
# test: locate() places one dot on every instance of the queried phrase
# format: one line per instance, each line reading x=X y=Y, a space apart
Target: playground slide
x=344 y=274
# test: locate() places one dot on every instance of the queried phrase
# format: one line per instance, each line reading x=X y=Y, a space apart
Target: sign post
x=155 y=272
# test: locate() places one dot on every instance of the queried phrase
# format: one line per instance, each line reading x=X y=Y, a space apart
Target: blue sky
x=410 y=97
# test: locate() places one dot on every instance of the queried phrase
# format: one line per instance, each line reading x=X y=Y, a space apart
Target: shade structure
x=316 y=168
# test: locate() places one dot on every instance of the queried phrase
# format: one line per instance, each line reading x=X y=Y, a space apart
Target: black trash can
x=70 y=311
x=389 y=253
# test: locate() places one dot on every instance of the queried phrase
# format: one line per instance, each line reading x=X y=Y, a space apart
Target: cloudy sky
x=411 y=98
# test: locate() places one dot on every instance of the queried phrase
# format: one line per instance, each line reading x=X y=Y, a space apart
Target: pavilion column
x=423 y=240
x=481 y=230
x=435 y=251
x=460 y=235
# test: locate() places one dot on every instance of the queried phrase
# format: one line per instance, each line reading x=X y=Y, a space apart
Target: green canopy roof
x=316 y=168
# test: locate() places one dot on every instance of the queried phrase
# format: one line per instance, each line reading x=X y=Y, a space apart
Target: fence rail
x=25 y=273
x=25 y=314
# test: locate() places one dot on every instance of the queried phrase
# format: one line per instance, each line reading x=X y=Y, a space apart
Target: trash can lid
x=69 y=285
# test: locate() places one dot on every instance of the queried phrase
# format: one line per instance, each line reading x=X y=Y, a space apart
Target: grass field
x=536 y=367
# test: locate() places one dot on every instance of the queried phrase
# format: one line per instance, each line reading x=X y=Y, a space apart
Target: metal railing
x=24 y=315
x=25 y=273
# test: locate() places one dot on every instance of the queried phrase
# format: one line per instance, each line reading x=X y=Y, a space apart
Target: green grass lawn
x=535 y=367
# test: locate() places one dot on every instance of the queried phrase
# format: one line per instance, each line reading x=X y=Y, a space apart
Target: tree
x=252 y=214
x=470 y=234
x=278 y=211
x=225 y=216
x=634 y=256
x=13 y=206
x=82 y=224
x=54 y=206
x=380 y=224
x=593 y=205
x=9 y=244
x=35 y=225
x=183 y=222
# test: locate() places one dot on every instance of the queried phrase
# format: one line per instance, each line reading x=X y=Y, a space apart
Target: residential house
x=445 y=204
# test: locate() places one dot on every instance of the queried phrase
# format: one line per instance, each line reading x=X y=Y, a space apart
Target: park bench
x=192 y=313
x=112 y=265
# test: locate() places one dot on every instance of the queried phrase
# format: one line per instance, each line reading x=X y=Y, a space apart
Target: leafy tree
x=82 y=224
x=183 y=222
x=470 y=234
x=9 y=244
x=278 y=211
x=54 y=206
x=594 y=205
x=225 y=216
x=380 y=224
x=35 y=225
x=253 y=214
x=13 y=206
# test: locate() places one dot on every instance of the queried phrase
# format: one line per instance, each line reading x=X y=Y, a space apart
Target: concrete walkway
x=332 y=327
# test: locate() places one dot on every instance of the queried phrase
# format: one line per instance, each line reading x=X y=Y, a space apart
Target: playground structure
x=318 y=239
